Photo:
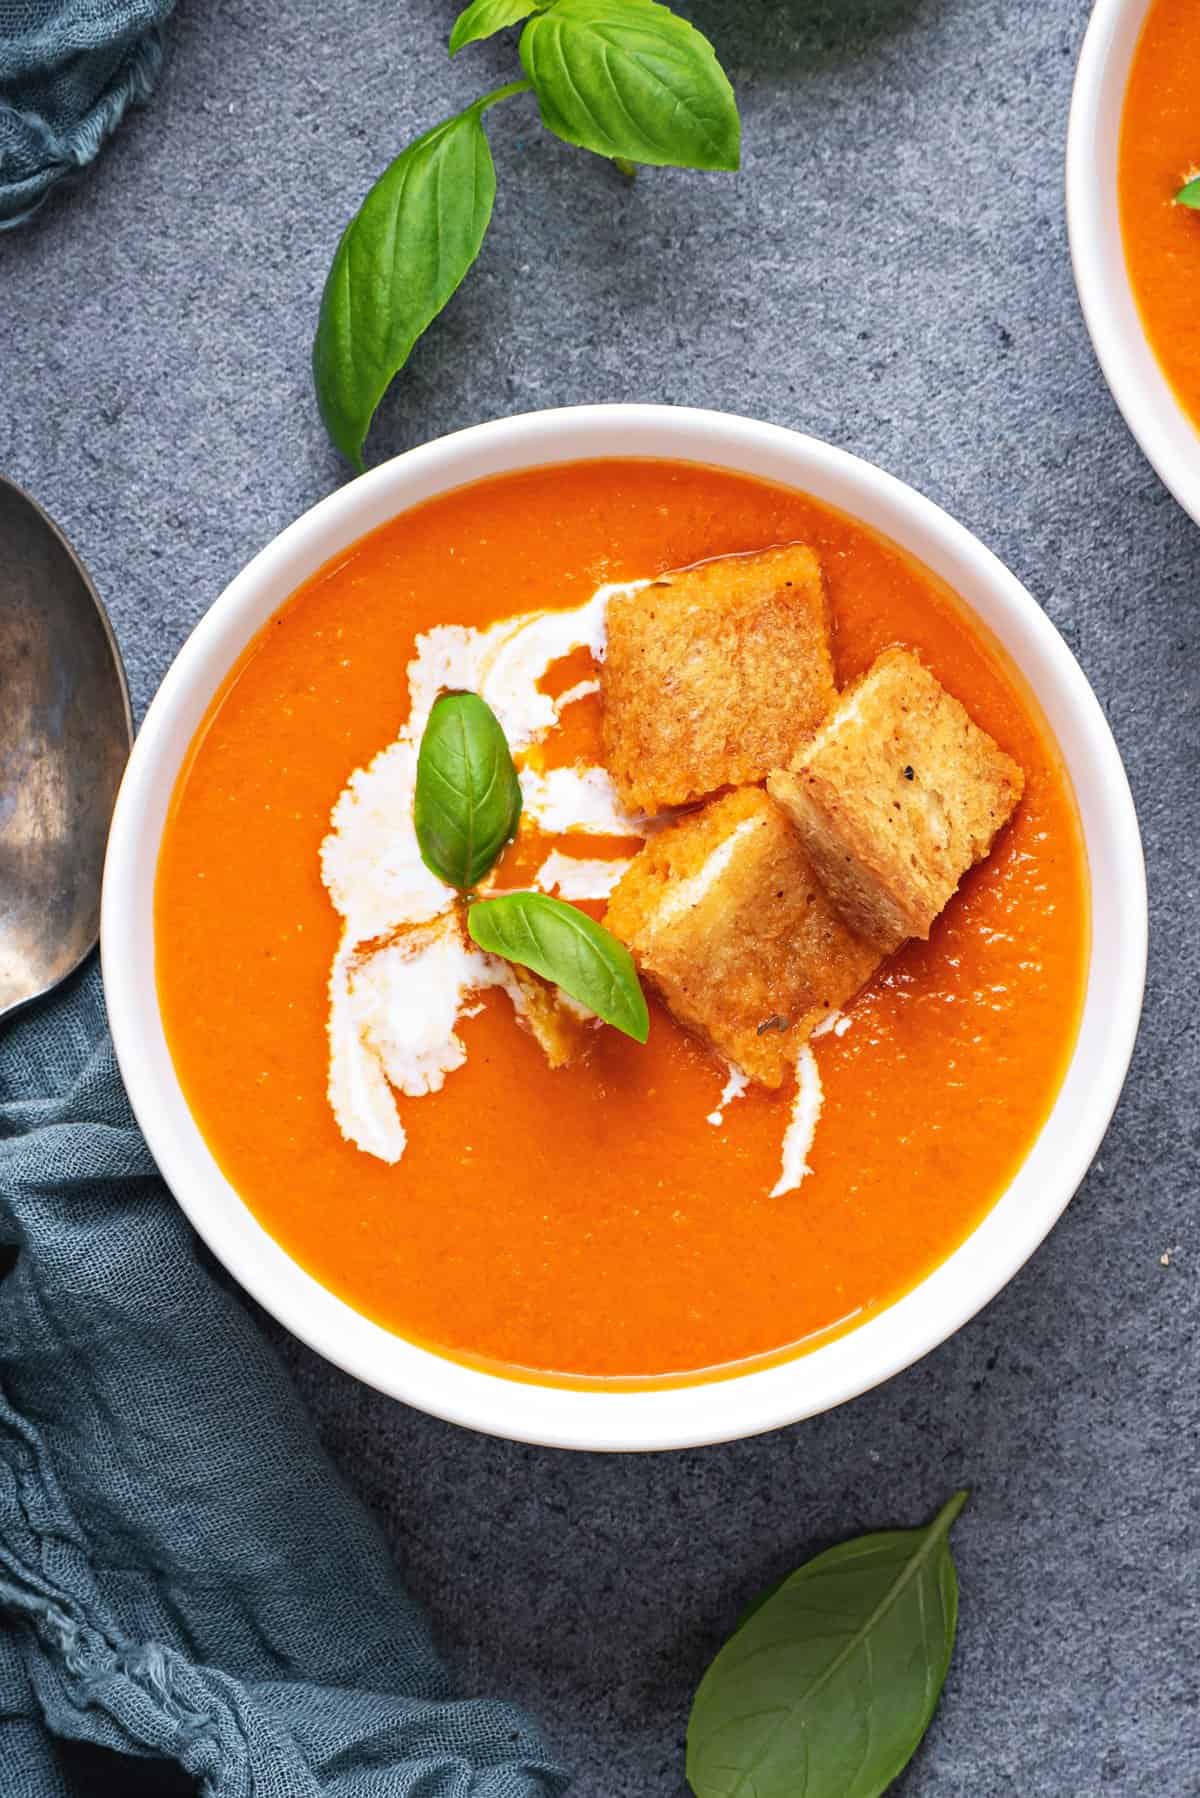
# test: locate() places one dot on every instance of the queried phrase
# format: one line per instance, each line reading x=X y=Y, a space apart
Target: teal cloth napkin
x=190 y=1598
x=68 y=70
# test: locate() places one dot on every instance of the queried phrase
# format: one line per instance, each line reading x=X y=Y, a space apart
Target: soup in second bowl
x=1160 y=162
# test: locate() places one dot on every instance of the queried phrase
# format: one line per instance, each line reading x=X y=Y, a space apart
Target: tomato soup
x=609 y=1221
x=1160 y=151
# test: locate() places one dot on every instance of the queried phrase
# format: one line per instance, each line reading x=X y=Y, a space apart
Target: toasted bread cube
x=557 y=1024
x=725 y=917
x=714 y=675
x=896 y=797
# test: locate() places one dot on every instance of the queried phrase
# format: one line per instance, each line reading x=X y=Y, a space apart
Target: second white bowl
x=1167 y=435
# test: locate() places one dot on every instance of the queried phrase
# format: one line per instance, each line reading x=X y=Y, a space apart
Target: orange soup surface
x=1160 y=151
x=590 y=1223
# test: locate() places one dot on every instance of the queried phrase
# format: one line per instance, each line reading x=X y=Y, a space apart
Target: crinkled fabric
x=68 y=70
x=185 y=1582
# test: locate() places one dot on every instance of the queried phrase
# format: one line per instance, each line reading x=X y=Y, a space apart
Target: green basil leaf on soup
x=468 y=797
x=566 y=946
x=400 y=259
x=828 y=1685
x=483 y=18
x=630 y=79
x=1189 y=195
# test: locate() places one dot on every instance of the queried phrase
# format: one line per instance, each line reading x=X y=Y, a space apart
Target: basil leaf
x=1190 y=194
x=756 y=1604
x=468 y=798
x=827 y=1688
x=562 y=944
x=483 y=18
x=628 y=78
x=400 y=259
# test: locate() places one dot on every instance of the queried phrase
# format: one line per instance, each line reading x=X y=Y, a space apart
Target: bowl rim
x=737 y=1405
x=1168 y=436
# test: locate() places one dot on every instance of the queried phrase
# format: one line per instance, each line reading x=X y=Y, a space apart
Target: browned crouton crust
x=715 y=674
x=896 y=797
x=724 y=916
x=556 y=1025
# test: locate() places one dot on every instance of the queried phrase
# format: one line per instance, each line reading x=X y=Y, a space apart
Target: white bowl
x=1167 y=435
x=749 y=1402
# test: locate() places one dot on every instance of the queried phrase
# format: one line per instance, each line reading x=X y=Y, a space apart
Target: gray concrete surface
x=889 y=271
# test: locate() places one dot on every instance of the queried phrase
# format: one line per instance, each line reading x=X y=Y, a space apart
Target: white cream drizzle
x=581 y=690
x=733 y=1089
x=504 y=664
x=798 y=1137
x=583 y=799
x=571 y=877
x=393 y=1017
x=405 y=973
x=396 y=994
x=806 y=1111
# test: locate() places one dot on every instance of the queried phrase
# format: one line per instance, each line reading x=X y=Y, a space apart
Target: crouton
x=714 y=675
x=557 y=1024
x=725 y=918
x=896 y=797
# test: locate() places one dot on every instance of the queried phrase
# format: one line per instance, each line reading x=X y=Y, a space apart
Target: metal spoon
x=65 y=734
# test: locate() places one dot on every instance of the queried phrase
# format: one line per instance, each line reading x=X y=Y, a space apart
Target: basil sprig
x=468 y=797
x=1189 y=195
x=562 y=944
x=466 y=807
x=628 y=79
x=829 y=1684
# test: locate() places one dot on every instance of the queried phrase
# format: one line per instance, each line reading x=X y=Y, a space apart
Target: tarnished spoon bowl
x=65 y=735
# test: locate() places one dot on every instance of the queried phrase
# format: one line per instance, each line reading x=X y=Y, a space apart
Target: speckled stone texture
x=889 y=271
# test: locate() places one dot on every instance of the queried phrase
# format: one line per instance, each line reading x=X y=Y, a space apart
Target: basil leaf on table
x=468 y=797
x=562 y=944
x=828 y=1686
x=756 y=1604
x=630 y=79
x=400 y=259
x=483 y=18
x=1189 y=195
